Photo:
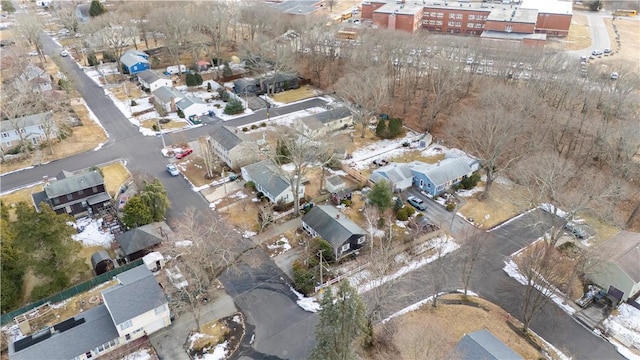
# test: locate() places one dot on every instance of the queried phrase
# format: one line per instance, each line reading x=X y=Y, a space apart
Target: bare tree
x=30 y=27
x=208 y=156
x=367 y=90
x=265 y=216
x=470 y=250
x=200 y=262
x=113 y=32
x=214 y=19
x=178 y=30
x=425 y=339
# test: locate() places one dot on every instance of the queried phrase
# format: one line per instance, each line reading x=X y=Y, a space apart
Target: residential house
x=473 y=163
x=616 y=266
x=192 y=106
x=246 y=86
x=278 y=83
x=140 y=241
x=232 y=146
x=44 y=3
x=133 y=308
x=34 y=78
x=151 y=80
x=268 y=181
x=328 y=223
x=437 y=178
x=33 y=128
x=322 y=123
x=134 y=61
x=203 y=65
x=334 y=183
x=399 y=176
x=167 y=97
x=74 y=194
x=483 y=345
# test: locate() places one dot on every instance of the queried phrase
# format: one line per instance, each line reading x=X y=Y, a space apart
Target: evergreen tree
x=156 y=199
x=395 y=127
x=136 y=213
x=96 y=9
x=381 y=128
x=7 y=6
x=342 y=320
x=191 y=80
x=380 y=195
x=397 y=205
x=233 y=107
x=198 y=79
x=226 y=70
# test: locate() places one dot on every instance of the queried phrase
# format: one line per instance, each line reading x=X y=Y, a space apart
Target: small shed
x=339 y=196
x=334 y=183
x=154 y=261
x=203 y=65
x=101 y=262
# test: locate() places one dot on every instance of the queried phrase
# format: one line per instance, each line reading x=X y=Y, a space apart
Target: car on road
x=607 y=51
x=184 y=153
x=33 y=53
x=614 y=76
x=173 y=170
x=417 y=203
x=64 y=53
x=470 y=61
x=596 y=53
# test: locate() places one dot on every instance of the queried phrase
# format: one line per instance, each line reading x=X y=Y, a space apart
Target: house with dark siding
x=75 y=195
x=330 y=224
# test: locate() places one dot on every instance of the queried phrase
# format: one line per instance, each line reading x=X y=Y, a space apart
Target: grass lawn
x=214 y=332
x=20 y=195
x=193 y=168
x=304 y=92
x=170 y=125
x=126 y=90
x=501 y=205
x=416 y=155
x=629 y=39
x=449 y=323
x=579 y=34
x=115 y=174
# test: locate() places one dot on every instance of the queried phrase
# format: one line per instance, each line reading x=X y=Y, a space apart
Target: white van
x=176 y=69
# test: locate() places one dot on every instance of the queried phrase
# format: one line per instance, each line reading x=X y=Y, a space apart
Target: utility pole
x=320 y=254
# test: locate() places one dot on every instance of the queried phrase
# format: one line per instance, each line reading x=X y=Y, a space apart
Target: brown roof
x=623 y=250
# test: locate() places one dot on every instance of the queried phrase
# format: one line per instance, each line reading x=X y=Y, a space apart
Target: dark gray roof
x=129 y=59
x=265 y=174
x=139 y=53
x=137 y=292
x=444 y=171
x=316 y=121
x=99 y=256
x=74 y=183
x=228 y=137
x=98 y=198
x=38 y=198
x=136 y=239
x=97 y=329
x=244 y=82
x=331 y=224
x=165 y=93
x=482 y=345
x=335 y=180
x=150 y=76
x=25 y=121
x=279 y=78
x=623 y=250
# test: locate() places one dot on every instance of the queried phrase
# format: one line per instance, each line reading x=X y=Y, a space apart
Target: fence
x=70 y=292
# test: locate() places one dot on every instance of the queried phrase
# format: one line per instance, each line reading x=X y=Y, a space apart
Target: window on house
x=94 y=189
x=451 y=23
x=452 y=16
x=69 y=197
x=478 y=26
x=160 y=309
x=345 y=247
x=470 y=25
x=40 y=127
x=361 y=240
x=439 y=23
x=56 y=201
x=125 y=325
x=432 y=14
x=127 y=337
x=458 y=16
x=80 y=192
x=508 y=28
x=432 y=22
x=88 y=355
x=440 y=15
x=472 y=17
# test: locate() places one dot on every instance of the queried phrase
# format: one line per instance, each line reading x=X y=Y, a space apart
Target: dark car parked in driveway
x=581 y=231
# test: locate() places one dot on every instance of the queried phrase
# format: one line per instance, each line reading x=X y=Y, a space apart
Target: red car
x=184 y=153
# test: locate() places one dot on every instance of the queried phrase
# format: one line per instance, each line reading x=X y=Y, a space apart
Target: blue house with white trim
x=134 y=61
x=435 y=179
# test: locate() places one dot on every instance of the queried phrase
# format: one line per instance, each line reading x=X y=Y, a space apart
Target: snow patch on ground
x=219 y=352
x=470 y=193
x=91 y=233
x=309 y=304
x=410 y=308
x=625 y=324
x=142 y=354
x=248 y=234
x=282 y=244
x=553 y=210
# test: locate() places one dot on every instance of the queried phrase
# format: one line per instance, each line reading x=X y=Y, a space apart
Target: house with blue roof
x=437 y=178
x=270 y=182
x=483 y=345
x=133 y=308
x=134 y=61
x=330 y=224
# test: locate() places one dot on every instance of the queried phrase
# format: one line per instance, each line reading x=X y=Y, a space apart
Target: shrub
x=402 y=214
x=381 y=128
x=250 y=185
x=14 y=150
x=263 y=124
x=450 y=206
x=471 y=181
x=180 y=114
x=303 y=278
x=198 y=79
x=281 y=206
x=395 y=127
x=134 y=103
x=96 y=9
x=420 y=215
x=218 y=106
x=92 y=59
x=410 y=210
x=108 y=56
x=397 y=205
x=191 y=80
x=346 y=202
x=254 y=126
x=323 y=245
x=259 y=195
x=164 y=121
x=233 y=107
x=245 y=129
x=226 y=71
x=155 y=127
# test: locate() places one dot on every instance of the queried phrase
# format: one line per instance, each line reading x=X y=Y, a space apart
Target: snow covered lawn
x=626 y=324
x=91 y=233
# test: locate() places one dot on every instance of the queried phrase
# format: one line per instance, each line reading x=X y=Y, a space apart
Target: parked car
x=173 y=170
x=607 y=51
x=380 y=162
x=614 y=76
x=580 y=231
x=33 y=53
x=596 y=53
x=417 y=203
x=184 y=153
x=64 y=53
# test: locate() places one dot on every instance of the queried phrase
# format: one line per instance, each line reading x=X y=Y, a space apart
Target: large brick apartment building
x=530 y=21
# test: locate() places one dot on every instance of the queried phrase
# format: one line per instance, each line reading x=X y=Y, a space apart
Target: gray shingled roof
x=99 y=256
x=165 y=93
x=137 y=293
x=444 y=171
x=335 y=180
x=482 y=345
x=139 y=53
x=129 y=59
x=136 y=239
x=393 y=172
x=228 y=137
x=25 y=121
x=189 y=100
x=318 y=120
x=623 y=250
x=265 y=174
x=150 y=76
x=324 y=220
x=97 y=329
x=74 y=183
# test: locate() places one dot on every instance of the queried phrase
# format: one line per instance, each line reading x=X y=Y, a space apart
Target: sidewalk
x=169 y=343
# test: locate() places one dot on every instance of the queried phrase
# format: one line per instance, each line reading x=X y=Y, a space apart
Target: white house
x=269 y=182
x=34 y=78
x=326 y=121
x=616 y=265
x=135 y=307
x=192 y=106
x=399 y=176
x=167 y=97
x=33 y=128
x=151 y=80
